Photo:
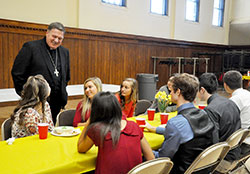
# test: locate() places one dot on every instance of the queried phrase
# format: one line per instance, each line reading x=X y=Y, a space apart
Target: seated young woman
x=92 y=86
x=120 y=142
x=127 y=97
x=32 y=108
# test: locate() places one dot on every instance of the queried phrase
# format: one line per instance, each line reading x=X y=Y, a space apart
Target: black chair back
x=6 y=129
x=66 y=117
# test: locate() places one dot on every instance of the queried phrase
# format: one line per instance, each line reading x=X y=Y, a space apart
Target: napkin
x=10 y=141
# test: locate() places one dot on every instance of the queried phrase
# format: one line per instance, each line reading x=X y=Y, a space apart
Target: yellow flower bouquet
x=163 y=100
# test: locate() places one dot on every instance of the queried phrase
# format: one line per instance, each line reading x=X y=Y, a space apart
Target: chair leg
x=246 y=168
x=241 y=167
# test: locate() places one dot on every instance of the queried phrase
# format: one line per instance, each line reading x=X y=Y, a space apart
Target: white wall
x=7 y=95
x=240 y=12
x=41 y=11
x=203 y=31
x=240 y=23
x=133 y=19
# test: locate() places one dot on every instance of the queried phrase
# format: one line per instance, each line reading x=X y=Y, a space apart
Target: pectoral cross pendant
x=56 y=72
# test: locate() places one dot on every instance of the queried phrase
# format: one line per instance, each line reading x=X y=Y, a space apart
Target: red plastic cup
x=201 y=106
x=142 y=127
x=164 y=118
x=141 y=121
x=151 y=114
x=43 y=130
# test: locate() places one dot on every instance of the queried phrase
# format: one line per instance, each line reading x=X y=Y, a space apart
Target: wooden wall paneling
x=83 y=58
x=117 y=64
x=188 y=64
x=110 y=56
x=1 y=61
x=91 y=63
x=146 y=60
x=140 y=57
x=5 y=60
x=149 y=61
x=126 y=62
x=99 y=69
x=11 y=55
x=100 y=61
x=161 y=69
x=73 y=52
x=106 y=63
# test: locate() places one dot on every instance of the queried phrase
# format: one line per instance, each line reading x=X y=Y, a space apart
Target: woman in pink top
x=127 y=97
x=92 y=86
x=120 y=142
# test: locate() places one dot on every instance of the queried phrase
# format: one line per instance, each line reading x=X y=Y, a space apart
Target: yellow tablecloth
x=245 y=77
x=53 y=155
x=56 y=154
x=155 y=140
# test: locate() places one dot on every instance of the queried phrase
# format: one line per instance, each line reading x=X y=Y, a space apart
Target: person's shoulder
x=31 y=111
x=177 y=121
x=79 y=103
x=63 y=48
x=33 y=43
x=47 y=106
x=163 y=88
x=117 y=96
x=241 y=93
x=131 y=123
x=131 y=128
x=218 y=101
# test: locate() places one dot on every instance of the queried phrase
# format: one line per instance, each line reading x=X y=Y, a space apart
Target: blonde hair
x=134 y=92
x=86 y=103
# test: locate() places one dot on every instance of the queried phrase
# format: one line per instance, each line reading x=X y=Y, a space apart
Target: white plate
x=75 y=132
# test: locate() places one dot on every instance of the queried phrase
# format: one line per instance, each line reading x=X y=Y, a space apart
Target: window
x=159 y=7
x=115 y=2
x=218 y=13
x=192 y=10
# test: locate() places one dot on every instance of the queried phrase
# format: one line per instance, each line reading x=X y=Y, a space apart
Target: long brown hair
x=134 y=93
x=106 y=115
x=35 y=91
x=86 y=103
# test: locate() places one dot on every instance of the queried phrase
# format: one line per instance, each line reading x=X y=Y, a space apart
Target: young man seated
x=223 y=112
x=190 y=132
x=241 y=97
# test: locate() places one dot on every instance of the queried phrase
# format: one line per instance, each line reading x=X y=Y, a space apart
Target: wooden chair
x=65 y=118
x=6 y=129
x=156 y=166
x=142 y=106
x=209 y=159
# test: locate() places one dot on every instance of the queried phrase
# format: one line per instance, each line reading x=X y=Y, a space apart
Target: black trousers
x=245 y=149
x=55 y=105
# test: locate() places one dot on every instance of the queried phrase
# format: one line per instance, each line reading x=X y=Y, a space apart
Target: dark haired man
x=191 y=131
x=223 y=111
x=48 y=58
x=241 y=97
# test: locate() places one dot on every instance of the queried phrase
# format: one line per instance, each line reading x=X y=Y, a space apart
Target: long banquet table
x=57 y=154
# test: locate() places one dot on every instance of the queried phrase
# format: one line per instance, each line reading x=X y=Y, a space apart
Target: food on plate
x=64 y=130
